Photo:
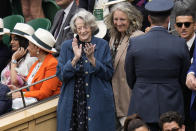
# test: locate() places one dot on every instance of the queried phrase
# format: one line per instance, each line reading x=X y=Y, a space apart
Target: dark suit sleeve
x=185 y=63
x=129 y=65
x=192 y=67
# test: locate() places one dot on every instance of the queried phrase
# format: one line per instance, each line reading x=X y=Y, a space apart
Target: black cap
x=159 y=7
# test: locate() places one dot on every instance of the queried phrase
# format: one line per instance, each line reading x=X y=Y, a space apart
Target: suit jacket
x=66 y=32
x=47 y=88
x=156 y=65
x=87 y=4
x=193 y=98
x=120 y=87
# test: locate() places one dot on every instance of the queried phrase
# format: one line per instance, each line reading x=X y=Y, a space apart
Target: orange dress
x=49 y=87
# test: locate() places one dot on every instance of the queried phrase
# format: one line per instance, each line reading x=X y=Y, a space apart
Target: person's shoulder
x=96 y=39
x=137 y=33
x=139 y=36
x=177 y=38
x=99 y=41
x=50 y=60
x=60 y=11
x=67 y=43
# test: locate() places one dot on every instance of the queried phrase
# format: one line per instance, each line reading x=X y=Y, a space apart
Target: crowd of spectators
x=139 y=76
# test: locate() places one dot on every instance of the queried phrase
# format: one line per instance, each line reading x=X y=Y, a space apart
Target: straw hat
x=2 y=29
x=22 y=29
x=113 y=2
x=43 y=39
x=102 y=29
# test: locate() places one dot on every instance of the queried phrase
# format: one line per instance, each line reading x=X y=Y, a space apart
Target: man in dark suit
x=185 y=26
x=61 y=28
x=156 y=64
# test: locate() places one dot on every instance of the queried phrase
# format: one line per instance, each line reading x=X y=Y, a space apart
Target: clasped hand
x=191 y=81
x=89 y=50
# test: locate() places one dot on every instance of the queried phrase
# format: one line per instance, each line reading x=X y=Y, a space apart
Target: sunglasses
x=186 y=24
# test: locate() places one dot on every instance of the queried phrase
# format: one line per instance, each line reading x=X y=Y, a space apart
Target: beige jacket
x=121 y=89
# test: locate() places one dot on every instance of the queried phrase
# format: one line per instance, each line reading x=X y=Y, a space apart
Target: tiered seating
x=50 y=8
x=40 y=23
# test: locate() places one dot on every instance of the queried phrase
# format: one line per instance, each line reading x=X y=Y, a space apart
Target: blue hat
x=159 y=7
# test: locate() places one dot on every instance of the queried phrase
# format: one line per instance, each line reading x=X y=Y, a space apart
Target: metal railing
x=27 y=86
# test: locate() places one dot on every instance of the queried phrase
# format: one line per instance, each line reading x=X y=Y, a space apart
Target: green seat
x=50 y=8
x=9 y=23
x=43 y=23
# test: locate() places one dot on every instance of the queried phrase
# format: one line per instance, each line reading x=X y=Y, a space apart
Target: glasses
x=186 y=24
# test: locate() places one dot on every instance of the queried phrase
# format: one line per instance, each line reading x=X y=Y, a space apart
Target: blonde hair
x=134 y=16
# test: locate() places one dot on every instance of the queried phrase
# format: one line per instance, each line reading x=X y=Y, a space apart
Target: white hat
x=43 y=39
x=113 y=2
x=22 y=29
x=2 y=29
x=102 y=29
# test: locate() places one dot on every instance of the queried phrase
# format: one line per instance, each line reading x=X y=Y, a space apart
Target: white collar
x=66 y=10
x=190 y=42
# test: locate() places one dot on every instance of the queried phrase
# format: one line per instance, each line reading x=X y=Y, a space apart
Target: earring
x=37 y=52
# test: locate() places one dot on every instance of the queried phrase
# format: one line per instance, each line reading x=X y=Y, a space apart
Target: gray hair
x=134 y=16
x=89 y=19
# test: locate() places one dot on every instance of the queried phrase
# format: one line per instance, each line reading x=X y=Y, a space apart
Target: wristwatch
x=14 y=61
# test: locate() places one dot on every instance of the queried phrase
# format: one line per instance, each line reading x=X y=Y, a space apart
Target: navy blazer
x=156 y=65
x=193 y=99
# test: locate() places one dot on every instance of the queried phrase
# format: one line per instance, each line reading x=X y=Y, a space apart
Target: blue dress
x=99 y=94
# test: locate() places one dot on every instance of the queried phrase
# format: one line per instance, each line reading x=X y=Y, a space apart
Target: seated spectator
x=171 y=121
x=5 y=52
x=18 y=67
x=135 y=123
x=41 y=46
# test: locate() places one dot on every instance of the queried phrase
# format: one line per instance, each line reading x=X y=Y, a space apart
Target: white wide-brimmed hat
x=23 y=29
x=43 y=39
x=113 y=2
x=102 y=29
x=2 y=29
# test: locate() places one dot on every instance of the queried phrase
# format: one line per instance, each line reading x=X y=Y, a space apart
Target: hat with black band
x=43 y=39
x=22 y=29
x=2 y=29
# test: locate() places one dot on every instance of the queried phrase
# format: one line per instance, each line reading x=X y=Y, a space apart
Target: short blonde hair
x=89 y=19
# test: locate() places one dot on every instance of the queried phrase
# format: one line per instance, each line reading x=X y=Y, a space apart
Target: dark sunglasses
x=186 y=24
